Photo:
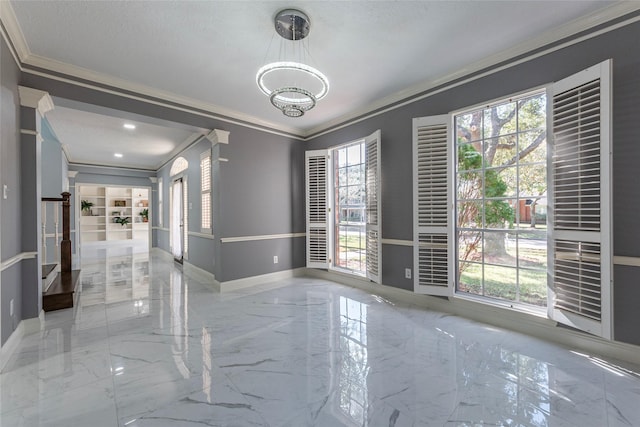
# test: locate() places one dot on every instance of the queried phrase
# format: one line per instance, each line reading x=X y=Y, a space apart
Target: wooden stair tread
x=63 y=292
x=47 y=269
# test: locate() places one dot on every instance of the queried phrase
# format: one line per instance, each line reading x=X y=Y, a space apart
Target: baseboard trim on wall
x=160 y=229
x=25 y=327
x=261 y=237
x=262 y=279
x=198 y=273
x=16 y=259
x=511 y=319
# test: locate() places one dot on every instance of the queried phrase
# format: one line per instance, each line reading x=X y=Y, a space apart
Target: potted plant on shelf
x=86 y=207
x=122 y=220
x=144 y=213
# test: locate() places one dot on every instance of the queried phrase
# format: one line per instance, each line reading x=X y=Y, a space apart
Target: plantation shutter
x=317 y=191
x=432 y=239
x=580 y=267
x=373 y=229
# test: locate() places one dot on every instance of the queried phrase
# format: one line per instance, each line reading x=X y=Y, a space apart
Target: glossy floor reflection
x=151 y=346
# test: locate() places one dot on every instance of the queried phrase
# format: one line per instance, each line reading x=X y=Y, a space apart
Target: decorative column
x=34 y=105
x=217 y=138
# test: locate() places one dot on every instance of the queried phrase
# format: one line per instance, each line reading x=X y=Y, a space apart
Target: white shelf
x=99 y=227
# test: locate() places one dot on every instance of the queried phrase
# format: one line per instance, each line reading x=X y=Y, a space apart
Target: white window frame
x=160 y=202
x=602 y=328
x=206 y=217
x=320 y=243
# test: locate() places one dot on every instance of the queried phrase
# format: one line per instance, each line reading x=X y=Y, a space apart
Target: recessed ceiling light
x=118 y=154
x=129 y=126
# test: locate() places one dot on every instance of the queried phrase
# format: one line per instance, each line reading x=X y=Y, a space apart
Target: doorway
x=176 y=221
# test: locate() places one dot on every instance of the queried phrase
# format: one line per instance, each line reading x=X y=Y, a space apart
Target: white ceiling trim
x=571 y=28
x=188 y=142
x=115 y=82
x=10 y=23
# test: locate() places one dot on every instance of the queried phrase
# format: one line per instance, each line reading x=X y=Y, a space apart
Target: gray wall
x=10 y=223
x=623 y=46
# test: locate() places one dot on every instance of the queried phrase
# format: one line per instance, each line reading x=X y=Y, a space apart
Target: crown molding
x=34 y=98
x=112 y=84
x=218 y=112
x=72 y=174
x=218 y=136
x=412 y=93
x=153 y=179
x=14 y=32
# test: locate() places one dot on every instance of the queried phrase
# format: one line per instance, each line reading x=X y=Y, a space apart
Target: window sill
x=517 y=307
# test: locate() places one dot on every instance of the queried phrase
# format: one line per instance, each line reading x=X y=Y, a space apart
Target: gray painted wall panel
x=626 y=305
x=201 y=253
x=253 y=258
x=10 y=278
x=396 y=258
x=10 y=222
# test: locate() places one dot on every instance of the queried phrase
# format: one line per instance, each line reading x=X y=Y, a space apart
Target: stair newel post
x=65 y=247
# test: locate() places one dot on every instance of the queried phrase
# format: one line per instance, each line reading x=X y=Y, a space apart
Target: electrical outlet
x=407 y=273
x=275 y=259
x=11 y=308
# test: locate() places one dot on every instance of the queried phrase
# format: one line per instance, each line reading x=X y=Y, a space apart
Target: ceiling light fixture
x=118 y=155
x=129 y=126
x=293 y=86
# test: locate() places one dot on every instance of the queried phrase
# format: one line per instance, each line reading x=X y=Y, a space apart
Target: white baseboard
x=515 y=320
x=25 y=327
x=247 y=282
x=198 y=273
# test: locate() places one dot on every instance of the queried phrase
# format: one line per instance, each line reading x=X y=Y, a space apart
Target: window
x=501 y=193
x=350 y=250
x=343 y=209
x=205 y=191
x=160 y=209
x=481 y=193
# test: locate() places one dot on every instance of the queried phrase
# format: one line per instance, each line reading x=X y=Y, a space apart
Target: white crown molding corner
x=15 y=34
x=72 y=174
x=184 y=103
x=34 y=98
x=153 y=179
x=67 y=153
x=410 y=94
x=217 y=136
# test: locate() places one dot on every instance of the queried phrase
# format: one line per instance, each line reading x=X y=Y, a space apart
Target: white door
x=177 y=221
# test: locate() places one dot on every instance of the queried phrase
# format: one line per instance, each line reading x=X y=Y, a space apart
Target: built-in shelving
x=115 y=214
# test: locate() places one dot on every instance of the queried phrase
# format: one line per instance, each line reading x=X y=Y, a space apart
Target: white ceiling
x=93 y=135
x=206 y=53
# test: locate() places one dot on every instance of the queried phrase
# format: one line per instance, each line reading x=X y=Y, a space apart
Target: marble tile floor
x=151 y=346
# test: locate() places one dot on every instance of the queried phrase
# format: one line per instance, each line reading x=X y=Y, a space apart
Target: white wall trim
x=397 y=242
x=200 y=273
x=202 y=235
x=261 y=237
x=626 y=260
x=217 y=136
x=263 y=279
x=160 y=229
x=25 y=327
x=154 y=180
x=503 y=317
x=11 y=345
x=10 y=22
x=35 y=98
x=16 y=259
x=72 y=174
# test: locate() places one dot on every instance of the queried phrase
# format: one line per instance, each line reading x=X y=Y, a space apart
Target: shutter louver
x=432 y=234
x=581 y=290
x=372 y=176
x=317 y=163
